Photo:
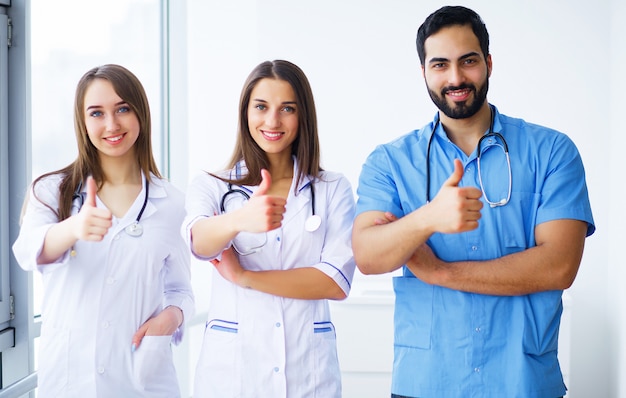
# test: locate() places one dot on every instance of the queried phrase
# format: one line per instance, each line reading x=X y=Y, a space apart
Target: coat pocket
x=153 y=367
x=412 y=313
x=542 y=320
x=327 y=379
x=218 y=370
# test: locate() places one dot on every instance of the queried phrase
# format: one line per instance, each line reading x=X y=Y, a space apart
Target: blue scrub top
x=447 y=342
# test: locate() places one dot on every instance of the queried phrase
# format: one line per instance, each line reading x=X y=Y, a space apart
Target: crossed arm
x=382 y=244
x=306 y=283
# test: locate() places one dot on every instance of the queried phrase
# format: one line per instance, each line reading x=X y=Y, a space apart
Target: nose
x=272 y=119
x=455 y=76
x=112 y=124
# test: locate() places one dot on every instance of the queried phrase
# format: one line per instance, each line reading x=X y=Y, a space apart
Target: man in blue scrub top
x=488 y=232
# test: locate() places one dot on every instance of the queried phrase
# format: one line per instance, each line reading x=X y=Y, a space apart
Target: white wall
x=614 y=189
x=555 y=63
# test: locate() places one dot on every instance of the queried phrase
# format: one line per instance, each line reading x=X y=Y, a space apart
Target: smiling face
x=273 y=116
x=111 y=124
x=456 y=71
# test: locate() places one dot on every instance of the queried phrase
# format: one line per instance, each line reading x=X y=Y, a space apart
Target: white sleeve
x=202 y=201
x=37 y=219
x=337 y=259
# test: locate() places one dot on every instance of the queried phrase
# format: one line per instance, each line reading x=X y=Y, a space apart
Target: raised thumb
x=456 y=175
x=266 y=183
x=92 y=189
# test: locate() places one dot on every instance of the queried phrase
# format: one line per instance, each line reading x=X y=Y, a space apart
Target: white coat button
x=277 y=324
x=116 y=237
x=101 y=370
x=474 y=248
x=477 y=330
x=105 y=325
x=477 y=370
x=110 y=280
x=276 y=369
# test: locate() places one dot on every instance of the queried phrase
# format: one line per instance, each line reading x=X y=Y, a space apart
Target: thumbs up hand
x=265 y=185
x=92 y=223
x=262 y=212
x=455 y=209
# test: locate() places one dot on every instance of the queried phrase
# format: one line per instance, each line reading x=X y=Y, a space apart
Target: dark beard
x=461 y=110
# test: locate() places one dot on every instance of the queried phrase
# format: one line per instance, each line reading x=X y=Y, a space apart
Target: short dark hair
x=448 y=16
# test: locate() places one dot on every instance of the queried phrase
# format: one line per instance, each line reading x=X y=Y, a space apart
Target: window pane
x=69 y=37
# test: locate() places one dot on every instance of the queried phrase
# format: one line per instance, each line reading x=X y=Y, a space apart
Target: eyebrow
x=100 y=106
x=283 y=103
x=462 y=57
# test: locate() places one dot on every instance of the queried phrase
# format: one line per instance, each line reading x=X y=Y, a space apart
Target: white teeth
x=119 y=137
x=272 y=135
x=457 y=94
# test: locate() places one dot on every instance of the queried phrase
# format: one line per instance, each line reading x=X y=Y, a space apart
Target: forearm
x=300 y=283
x=59 y=239
x=209 y=236
x=516 y=274
x=551 y=265
x=384 y=248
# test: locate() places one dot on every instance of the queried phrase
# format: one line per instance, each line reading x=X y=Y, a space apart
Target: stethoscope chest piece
x=312 y=223
x=135 y=229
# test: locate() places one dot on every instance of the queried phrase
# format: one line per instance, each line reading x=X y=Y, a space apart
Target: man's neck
x=465 y=133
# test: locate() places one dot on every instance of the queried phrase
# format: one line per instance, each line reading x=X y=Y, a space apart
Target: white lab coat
x=96 y=300
x=260 y=345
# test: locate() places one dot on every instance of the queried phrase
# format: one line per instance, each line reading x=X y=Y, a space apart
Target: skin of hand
x=229 y=266
x=375 y=242
x=455 y=209
x=386 y=219
x=164 y=324
x=92 y=223
x=261 y=213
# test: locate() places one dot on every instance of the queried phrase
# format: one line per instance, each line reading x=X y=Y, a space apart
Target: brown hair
x=130 y=89
x=305 y=147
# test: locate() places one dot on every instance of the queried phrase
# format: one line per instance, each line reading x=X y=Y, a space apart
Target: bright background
x=555 y=62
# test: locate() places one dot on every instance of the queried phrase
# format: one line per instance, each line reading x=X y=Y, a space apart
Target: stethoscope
x=135 y=229
x=504 y=147
x=311 y=224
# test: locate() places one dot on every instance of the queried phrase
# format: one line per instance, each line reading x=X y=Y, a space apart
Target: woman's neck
x=281 y=167
x=121 y=172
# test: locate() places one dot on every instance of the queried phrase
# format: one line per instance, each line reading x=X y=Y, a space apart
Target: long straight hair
x=305 y=147
x=128 y=87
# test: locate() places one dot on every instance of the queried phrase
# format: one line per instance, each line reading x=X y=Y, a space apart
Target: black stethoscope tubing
x=135 y=228
x=491 y=133
x=311 y=224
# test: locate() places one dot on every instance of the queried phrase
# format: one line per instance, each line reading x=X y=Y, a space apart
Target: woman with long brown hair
x=104 y=234
x=277 y=228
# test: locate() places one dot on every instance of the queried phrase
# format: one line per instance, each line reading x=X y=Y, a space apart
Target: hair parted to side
x=449 y=16
x=305 y=147
x=128 y=87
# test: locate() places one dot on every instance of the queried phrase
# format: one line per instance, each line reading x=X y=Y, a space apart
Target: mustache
x=463 y=86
